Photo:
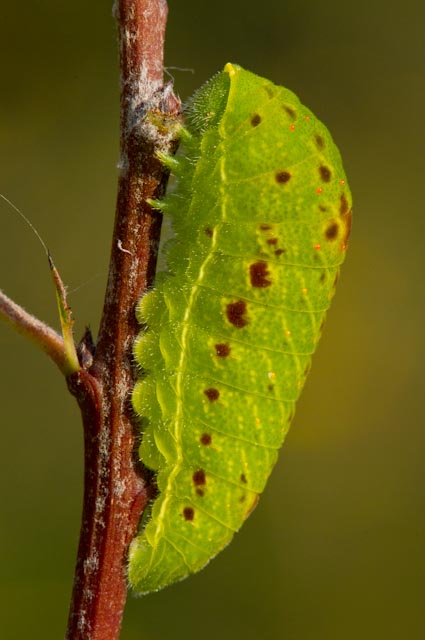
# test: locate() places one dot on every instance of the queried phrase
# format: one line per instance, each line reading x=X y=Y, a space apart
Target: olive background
x=335 y=548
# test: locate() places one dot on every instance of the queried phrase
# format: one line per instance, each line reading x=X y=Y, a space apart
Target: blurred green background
x=335 y=549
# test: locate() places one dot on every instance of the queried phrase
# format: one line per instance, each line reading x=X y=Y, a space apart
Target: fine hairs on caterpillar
x=261 y=217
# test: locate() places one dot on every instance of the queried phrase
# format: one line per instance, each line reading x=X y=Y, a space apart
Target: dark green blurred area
x=335 y=549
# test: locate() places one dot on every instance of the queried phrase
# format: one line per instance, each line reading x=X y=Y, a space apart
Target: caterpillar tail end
x=153 y=568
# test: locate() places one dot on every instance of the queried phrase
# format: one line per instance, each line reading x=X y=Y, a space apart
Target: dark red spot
x=320 y=142
x=255 y=120
x=272 y=241
x=290 y=111
x=188 y=513
x=199 y=492
x=259 y=274
x=205 y=439
x=332 y=231
x=243 y=478
x=265 y=227
x=212 y=394
x=279 y=252
x=343 y=208
x=282 y=177
x=199 y=477
x=209 y=232
x=236 y=313
x=325 y=173
x=222 y=350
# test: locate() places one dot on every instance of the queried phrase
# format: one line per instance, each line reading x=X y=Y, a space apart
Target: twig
x=116 y=488
x=115 y=492
x=38 y=332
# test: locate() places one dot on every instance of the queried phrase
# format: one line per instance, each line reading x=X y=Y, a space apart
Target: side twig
x=38 y=332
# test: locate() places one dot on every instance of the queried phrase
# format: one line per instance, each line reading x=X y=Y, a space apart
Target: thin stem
x=38 y=332
x=115 y=488
x=61 y=349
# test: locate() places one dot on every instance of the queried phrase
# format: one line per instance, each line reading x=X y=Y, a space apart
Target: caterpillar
x=261 y=216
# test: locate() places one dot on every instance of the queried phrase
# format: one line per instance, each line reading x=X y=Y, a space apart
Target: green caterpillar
x=261 y=217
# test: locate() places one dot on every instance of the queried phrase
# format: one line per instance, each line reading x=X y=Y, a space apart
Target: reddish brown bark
x=115 y=489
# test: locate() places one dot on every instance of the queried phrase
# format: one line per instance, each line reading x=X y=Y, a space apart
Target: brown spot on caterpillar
x=322 y=207
x=243 y=478
x=332 y=231
x=323 y=277
x=222 y=350
x=209 y=232
x=256 y=119
x=212 y=394
x=199 y=492
x=242 y=499
x=325 y=173
x=279 y=252
x=272 y=241
x=343 y=208
x=290 y=111
x=236 y=313
x=259 y=274
x=265 y=227
x=282 y=177
x=199 y=477
x=319 y=141
x=188 y=513
x=270 y=387
x=205 y=439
